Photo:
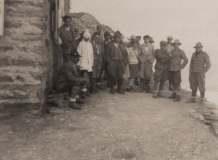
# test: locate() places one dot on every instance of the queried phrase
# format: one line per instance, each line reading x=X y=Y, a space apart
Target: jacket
x=147 y=55
x=68 y=41
x=176 y=60
x=162 y=59
x=97 y=51
x=200 y=63
x=85 y=49
x=110 y=52
x=68 y=74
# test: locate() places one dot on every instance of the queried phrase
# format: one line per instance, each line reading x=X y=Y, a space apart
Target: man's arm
x=185 y=59
x=207 y=62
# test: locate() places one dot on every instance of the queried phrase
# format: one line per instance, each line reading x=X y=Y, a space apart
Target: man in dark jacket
x=200 y=64
x=98 y=59
x=68 y=79
x=116 y=58
x=161 y=69
x=67 y=34
x=176 y=65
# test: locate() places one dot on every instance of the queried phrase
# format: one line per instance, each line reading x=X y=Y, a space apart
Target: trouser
x=116 y=69
x=145 y=84
x=160 y=76
x=175 y=77
x=88 y=75
x=96 y=69
x=197 y=80
x=73 y=88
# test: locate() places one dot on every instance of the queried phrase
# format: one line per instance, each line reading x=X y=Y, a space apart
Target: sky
x=190 y=21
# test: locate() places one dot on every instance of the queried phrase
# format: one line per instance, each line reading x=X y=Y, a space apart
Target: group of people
x=111 y=56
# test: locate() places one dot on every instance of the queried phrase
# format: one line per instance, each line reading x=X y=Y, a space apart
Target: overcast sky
x=189 y=21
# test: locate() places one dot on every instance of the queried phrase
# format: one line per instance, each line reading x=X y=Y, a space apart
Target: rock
x=211 y=118
x=198 y=116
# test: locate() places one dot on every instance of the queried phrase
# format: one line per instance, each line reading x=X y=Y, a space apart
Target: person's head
x=99 y=28
x=146 y=39
x=163 y=45
x=86 y=36
x=117 y=38
x=151 y=40
x=138 y=38
x=67 y=21
x=169 y=39
x=107 y=36
x=96 y=37
x=125 y=41
x=176 y=44
x=74 y=55
x=133 y=38
x=198 y=47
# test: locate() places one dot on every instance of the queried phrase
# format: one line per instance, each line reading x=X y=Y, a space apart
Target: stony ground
x=110 y=127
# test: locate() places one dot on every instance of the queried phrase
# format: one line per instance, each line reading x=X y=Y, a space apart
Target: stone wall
x=20 y=52
x=27 y=52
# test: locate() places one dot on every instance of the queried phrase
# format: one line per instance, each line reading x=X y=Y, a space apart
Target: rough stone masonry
x=26 y=52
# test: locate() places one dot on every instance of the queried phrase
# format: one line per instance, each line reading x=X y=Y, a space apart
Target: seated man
x=68 y=79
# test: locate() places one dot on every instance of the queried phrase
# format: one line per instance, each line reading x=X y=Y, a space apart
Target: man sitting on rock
x=200 y=64
x=69 y=80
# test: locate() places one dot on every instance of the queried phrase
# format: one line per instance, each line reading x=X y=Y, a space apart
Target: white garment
x=133 y=55
x=85 y=49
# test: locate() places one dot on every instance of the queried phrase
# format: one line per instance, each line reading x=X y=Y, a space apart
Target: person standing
x=133 y=55
x=146 y=59
x=200 y=64
x=69 y=80
x=170 y=49
x=176 y=66
x=101 y=33
x=85 y=49
x=161 y=69
x=116 y=58
x=98 y=59
x=67 y=34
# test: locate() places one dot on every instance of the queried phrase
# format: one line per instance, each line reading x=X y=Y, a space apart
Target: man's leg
x=171 y=76
x=73 y=97
x=177 y=82
x=112 y=67
x=193 y=86
x=201 y=85
x=120 y=72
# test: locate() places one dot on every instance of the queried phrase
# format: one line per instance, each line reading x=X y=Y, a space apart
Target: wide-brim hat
x=177 y=42
x=198 y=45
x=146 y=36
x=151 y=40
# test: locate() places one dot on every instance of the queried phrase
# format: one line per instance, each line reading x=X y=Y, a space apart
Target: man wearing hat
x=146 y=60
x=100 y=31
x=67 y=34
x=170 y=49
x=161 y=69
x=69 y=80
x=116 y=57
x=85 y=50
x=200 y=64
x=176 y=66
x=98 y=59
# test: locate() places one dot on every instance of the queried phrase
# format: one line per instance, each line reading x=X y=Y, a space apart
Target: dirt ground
x=110 y=127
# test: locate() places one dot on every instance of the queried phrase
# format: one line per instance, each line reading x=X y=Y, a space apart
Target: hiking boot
x=96 y=89
x=173 y=96
x=201 y=103
x=83 y=95
x=177 y=99
x=191 y=100
x=154 y=94
x=120 y=90
x=170 y=88
x=128 y=89
x=108 y=84
x=141 y=90
x=73 y=105
x=79 y=101
x=112 y=91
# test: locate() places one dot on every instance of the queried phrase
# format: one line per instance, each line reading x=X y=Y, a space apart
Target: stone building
x=28 y=56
